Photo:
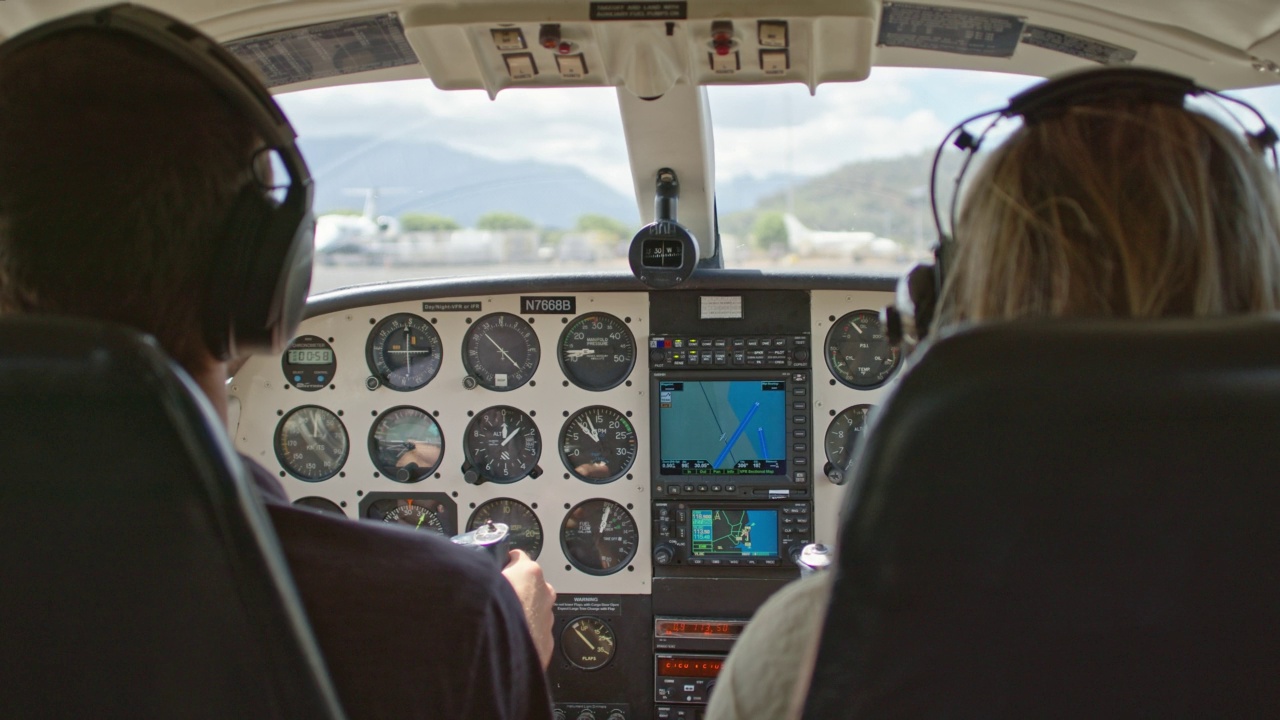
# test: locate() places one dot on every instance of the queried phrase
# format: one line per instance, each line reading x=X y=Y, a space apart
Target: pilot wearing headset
x=1110 y=201
x=134 y=188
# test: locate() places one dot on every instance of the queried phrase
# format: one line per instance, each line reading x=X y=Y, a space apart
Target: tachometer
x=405 y=444
x=842 y=437
x=859 y=353
x=502 y=445
x=522 y=523
x=311 y=443
x=599 y=537
x=598 y=444
x=588 y=643
x=404 y=352
x=500 y=351
x=597 y=351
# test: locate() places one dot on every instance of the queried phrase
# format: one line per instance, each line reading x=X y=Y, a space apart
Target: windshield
x=415 y=182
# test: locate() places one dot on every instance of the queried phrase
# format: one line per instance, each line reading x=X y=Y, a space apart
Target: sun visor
x=1267 y=53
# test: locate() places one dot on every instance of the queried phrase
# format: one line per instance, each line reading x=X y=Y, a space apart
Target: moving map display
x=722 y=427
x=737 y=533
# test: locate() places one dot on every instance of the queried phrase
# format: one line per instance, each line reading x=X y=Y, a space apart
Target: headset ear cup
x=228 y=289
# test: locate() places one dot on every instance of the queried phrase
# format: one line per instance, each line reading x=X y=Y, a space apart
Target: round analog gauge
x=842 y=437
x=502 y=445
x=500 y=351
x=404 y=352
x=588 y=643
x=858 y=352
x=405 y=444
x=418 y=514
x=320 y=505
x=597 y=351
x=524 y=527
x=599 y=537
x=309 y=363
x=598 y=444
x=311 y=443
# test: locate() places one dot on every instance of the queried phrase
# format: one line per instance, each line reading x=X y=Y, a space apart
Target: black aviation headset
x=911 y=317
x=261 y=275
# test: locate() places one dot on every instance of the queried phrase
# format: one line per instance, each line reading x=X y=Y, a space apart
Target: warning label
x=1078 y=45
x=326 y=50
x=639 y=10
x=590 y=605
x=965 y=32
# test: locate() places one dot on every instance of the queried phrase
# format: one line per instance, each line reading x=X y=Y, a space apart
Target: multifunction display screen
x=722 y=427
x=720 y=532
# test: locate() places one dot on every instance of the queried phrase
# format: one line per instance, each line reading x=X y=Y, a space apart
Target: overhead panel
x=645 y=47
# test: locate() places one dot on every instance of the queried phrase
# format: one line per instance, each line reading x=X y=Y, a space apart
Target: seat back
x=1065 y=519
x=139 y=575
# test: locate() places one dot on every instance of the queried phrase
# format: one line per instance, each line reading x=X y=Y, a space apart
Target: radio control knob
x=795 y=553
x=801 y=355
x=663 y=554
x=656 y=356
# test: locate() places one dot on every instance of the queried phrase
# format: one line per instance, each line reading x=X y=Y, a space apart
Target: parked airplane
x=851 y=244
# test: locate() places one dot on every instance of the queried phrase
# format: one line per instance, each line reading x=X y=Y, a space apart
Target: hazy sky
x=759 y=130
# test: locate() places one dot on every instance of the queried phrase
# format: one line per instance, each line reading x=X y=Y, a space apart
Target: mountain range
x=888 y=197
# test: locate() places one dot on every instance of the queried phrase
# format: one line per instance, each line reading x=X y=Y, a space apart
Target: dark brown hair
x=118 y=169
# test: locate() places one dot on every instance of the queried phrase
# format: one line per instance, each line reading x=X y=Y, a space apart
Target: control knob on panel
x=664 y=553
x=560 y=714
x=586 y=715
x=834 y=474
x=813 y=558
x=617 y=715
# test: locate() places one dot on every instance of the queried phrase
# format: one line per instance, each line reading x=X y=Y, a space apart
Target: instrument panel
x=601 y=436
x=454 y=399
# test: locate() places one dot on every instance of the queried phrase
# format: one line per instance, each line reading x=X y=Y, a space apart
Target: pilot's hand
x=538 y=599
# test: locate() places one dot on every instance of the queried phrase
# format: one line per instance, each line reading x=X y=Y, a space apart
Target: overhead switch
x=520 y=66
x=774 y=62
x=508 y=39
x=725 y=64
x=773 y=33
x=572 y=67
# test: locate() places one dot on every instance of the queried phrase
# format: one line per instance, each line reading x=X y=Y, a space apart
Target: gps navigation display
x=722 y=427
x=737 y=533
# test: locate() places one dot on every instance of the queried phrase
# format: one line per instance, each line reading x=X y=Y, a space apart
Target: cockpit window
x=413 y=182
x=416 y=182
x=839 y=178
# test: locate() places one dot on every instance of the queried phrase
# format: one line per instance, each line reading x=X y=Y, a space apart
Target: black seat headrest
x=139 y=574
x=1065 y=519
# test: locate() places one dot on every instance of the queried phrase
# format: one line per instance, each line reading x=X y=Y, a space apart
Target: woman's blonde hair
x=1137 y=211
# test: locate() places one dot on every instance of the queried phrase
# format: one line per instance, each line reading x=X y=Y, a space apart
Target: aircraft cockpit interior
x=611 y=274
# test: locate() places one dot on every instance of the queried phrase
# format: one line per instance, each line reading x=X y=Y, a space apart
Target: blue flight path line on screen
x=736 y=434
x=764 y=446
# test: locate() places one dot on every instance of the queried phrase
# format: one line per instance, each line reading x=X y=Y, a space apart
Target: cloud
x=759 y=130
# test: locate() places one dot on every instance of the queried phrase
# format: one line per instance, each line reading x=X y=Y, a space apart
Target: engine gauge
x=500 y=351
x=502 y=445
x=842 y=437
x=309 y=363
x=318 y=504
x=420 y=512
x=405 y=444
x=311 y=443
x=598 y=444
x=597 y=351
x=588 y=643
x=859 y=353
x=599 y=537
x=404 y=352
x=522 y=523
